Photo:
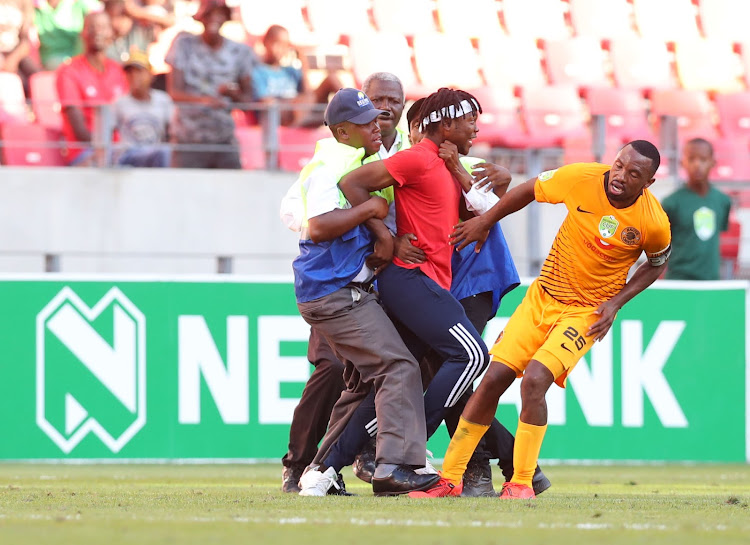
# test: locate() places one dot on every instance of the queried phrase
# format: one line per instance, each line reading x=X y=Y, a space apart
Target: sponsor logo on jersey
x=630 y=236
x=602 y=244
x=546 y=175
x=608 y=226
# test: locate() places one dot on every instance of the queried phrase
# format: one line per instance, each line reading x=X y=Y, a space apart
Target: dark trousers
x=427 y=316
x=362 y=336
x=496 y=443
x=310 y=420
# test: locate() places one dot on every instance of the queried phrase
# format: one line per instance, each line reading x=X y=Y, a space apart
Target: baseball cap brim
x=365 y=117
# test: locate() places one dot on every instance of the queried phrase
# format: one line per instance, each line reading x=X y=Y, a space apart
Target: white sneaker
x=428 y=468
x=315 y=483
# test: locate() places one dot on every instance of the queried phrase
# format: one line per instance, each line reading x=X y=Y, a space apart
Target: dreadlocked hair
x=440 y=102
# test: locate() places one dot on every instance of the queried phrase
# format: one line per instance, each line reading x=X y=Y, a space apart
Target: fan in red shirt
x=427 y=198
x=86 y=82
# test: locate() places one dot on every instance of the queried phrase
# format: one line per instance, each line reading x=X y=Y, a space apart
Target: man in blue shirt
x=333 y=279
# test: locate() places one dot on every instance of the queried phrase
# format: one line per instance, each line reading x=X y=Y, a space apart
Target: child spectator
x=142 y=117
x=276 y=79
x=697 y=212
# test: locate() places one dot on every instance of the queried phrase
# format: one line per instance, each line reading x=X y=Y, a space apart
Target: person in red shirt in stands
x=84 y=84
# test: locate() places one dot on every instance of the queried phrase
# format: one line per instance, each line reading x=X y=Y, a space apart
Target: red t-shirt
x=80 y=84
x=427 y=200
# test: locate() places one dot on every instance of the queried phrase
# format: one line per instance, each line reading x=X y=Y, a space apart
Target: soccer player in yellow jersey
x=612 y=218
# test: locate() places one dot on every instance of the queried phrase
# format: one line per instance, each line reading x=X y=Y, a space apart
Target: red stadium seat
x=499 y=124
x=602 y=20
x=667 y=20
x=708 y=65
x=729 y=243
x=323 y=16
x=252 y=153
x=434 y=52
x=624 y=111
x=734 y=114
x=732 y=160
x=44 y=100
x=641 y=64
x=30 y=144
x=543 y=19
x=576 y=61
x=483 y=14
x=383 y=52
x=693 y=110
x=297 y=146
x=408 y=18
x=552 y=114
x=725 y=19
x=511 y=61
x=12 y=98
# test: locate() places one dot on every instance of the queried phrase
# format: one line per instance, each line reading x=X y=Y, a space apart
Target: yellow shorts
x=545 y=330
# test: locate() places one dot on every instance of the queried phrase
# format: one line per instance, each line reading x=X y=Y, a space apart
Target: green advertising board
x=212 y=368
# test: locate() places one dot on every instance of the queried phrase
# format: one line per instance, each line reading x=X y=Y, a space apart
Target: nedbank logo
x=90 y=370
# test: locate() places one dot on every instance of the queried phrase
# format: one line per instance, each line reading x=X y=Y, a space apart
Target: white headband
x=451 y=112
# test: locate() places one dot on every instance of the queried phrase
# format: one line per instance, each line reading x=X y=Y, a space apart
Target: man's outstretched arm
x=476 y=229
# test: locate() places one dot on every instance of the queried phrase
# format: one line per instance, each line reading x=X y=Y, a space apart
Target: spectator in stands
x=209 y=74
x=85 y=83
x=142 y=117
x=278 y=80
x=16 y=18
x=59 y=24
x=134 y=26
x=697 y=213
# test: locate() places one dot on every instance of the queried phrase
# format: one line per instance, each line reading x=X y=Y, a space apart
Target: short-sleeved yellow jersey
x=597 y=243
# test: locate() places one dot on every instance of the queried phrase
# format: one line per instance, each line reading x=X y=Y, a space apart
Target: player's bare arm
x=448 y=152
x=335 y=223
x=645 y=275
x=476 y=229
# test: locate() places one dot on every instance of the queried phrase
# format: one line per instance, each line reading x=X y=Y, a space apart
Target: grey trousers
x=364 y=338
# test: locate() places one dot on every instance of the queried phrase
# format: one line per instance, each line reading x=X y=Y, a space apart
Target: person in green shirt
x=59 y=24
x=697 y=212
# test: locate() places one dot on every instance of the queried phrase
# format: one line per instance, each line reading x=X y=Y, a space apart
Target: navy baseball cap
x=350 y=105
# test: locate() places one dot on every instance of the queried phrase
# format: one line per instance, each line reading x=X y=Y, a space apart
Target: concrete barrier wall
x=176 y=221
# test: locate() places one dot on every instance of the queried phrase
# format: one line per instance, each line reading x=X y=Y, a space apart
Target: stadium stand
x=708 y=65
x=576 y=61
x=407 y=18
x=250 y=140
x=31 y=145
x=499 y=124
x=383 y=52
x=511 y=61
x=296 y=146
x=734 y=114
x=724 y=19
x=602 y=20
x=357 y=18
x=641 y=63
x=485 y=17
x=433 y=51
x=522 y=18
x=624 y=112
x=44 y=101
x=667 y=20
x=693 y=110
x=551 y=114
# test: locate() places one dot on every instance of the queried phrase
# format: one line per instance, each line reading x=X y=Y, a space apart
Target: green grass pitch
x=243 y=504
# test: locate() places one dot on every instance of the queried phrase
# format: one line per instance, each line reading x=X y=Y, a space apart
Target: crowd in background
x=102 y=54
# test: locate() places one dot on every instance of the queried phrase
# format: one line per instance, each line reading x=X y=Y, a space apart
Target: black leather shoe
x=402 y=481
x=540 y=482
x=478 y=480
